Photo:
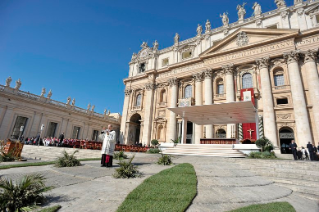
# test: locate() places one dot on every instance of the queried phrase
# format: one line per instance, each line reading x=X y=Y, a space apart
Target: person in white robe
x=108 y=147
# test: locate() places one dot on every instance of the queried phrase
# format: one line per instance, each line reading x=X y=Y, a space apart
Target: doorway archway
x=135 y=129
x=220 y=133
x=286 y=135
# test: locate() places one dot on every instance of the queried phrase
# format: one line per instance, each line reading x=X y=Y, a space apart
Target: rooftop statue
x=43 y=92
x=257 y=9
x=155 y=45
x=88 y=108
x=280 y=3
x=8 y=81
x=241 y=11
x=199 y=30
x=68 y=100
x=49 y=94
x=18 y=84
x=73 y=102
x=176 y=38
x=225 y=19
x=208 y=26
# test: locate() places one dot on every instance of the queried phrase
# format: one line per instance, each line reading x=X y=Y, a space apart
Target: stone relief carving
x=284 y=116
x=257 y=9
x=198 y=77
x=292 y=56
x=310 y=55
x=228 y=69
x=284 y=14
x=149 y=86
x=172 y=81
x=300 y=11
x=208 y=73
x=208 y=26
x=199 y=30
x=8 y=81
x=18 y=84
x=42 y=92
x=242 y=39
x=225 y=19
x=241 y=11
x=262 y=62
x=280 y=3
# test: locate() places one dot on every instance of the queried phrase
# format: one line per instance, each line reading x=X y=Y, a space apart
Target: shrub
x=262 y=155
x=176 y=141
x=154 y=142
x=127 y=170
x=27 y=192
x=67 y=160
x=120 y=155
x=153 y=151
x=263 y=143
x=165 y=160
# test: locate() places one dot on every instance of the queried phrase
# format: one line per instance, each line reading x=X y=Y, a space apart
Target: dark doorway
x=221 y=133
x=189 y=133
x=135 y=123
x=286 y=135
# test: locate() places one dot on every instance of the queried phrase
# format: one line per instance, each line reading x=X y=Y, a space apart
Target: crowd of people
x=311 y=152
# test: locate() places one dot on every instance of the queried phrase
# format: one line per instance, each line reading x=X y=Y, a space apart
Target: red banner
x=249 y=129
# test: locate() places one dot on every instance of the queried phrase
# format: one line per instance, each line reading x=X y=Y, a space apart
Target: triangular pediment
x=312 y=9
x=247 y=37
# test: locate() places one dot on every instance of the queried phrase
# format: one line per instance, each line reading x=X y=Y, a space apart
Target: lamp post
x=42 y=127
x=21 y=130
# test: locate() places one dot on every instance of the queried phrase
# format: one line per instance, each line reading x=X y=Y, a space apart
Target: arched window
x=163 y=95
x=247 y=81
x=138 y=100
x=220 y=86
x=188 y=92
x=279 y=77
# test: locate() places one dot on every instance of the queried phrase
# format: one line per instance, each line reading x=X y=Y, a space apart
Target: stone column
x=230 y=93
x=148 y=108
x=298 y=99
x=173 y=84
x=208 y=98
x=268 y=106
x=122 y=136
x=313 y=85
x=198 y=101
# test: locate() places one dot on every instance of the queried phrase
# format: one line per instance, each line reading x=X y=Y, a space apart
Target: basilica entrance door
x=189 y=132
x=134 y=129
x=286 y=135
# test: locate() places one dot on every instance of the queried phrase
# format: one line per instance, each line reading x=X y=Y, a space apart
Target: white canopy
x=224 y=113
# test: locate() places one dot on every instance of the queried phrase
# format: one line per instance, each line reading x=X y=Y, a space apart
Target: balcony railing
x=186 y=102
x=281 y=87
x=219 y=95
x=137 y=107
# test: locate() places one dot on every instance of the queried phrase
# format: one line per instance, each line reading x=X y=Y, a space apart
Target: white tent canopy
x=224 y=113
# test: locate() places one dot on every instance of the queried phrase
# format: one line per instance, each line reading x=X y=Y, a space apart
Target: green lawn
x=44 y=163
x=170 y=190
x=270 y=207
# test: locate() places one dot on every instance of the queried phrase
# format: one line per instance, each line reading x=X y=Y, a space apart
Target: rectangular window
x=283 y=101
x=20 y=121
x=52 y=129
x=142 y=67
x=187 y=54
x=165 y=62
x=272 y=26
x=279 y=80
x=95 y=135
x=76 y=132
x=221 y=89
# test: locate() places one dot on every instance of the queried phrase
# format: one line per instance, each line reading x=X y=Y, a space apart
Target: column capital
x=172 y=81
x=228 y=69
x=127 y=92
x=208 y=73
x=198 y=77
x=292 y=57
x=262 y=62
x=149 y=86
x=310 y=55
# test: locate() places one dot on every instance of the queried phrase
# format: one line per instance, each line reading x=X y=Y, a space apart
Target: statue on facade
x=155 y=45
x=280 y=3
x=8 y=81
x=134 y=56
x=298 y=1
x=18 y=84
x=109 y=113
x=73 y=102
x=42 y=92
x=105 y=111
x=88 y=108
x=241 y=11
x=225 y=19
x=68 y=100
x=176 y=38
x=199 y=30
x=49 y=94
x=144 y=45
x=208 y=26
x=93 y=107
x=257 y=9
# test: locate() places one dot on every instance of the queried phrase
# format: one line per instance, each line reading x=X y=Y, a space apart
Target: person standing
x=293 y=147
x=61 y=137
x=108 y=147
x=310 y=150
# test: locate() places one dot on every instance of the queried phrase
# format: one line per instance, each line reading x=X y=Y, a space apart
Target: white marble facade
x=19 y=108
x=277 y=50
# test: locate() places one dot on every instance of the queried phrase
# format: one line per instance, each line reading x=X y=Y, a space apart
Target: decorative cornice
x=262 y=62
x=228 y=69
x=149 y=86
x=198 y=77
x=208 y=73
x=172 y=81
x=310 y=56
x=292 y=57
x=127 y=92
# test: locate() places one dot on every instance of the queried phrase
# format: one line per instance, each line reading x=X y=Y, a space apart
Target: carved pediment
x=246 y=37
x=312 y=9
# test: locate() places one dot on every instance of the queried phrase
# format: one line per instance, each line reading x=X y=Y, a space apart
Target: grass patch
x=170 y=190
x=269 y=207
x=44 y=163
x=51 y=209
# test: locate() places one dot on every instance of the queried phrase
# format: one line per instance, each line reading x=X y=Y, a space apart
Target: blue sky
x=82 y=48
